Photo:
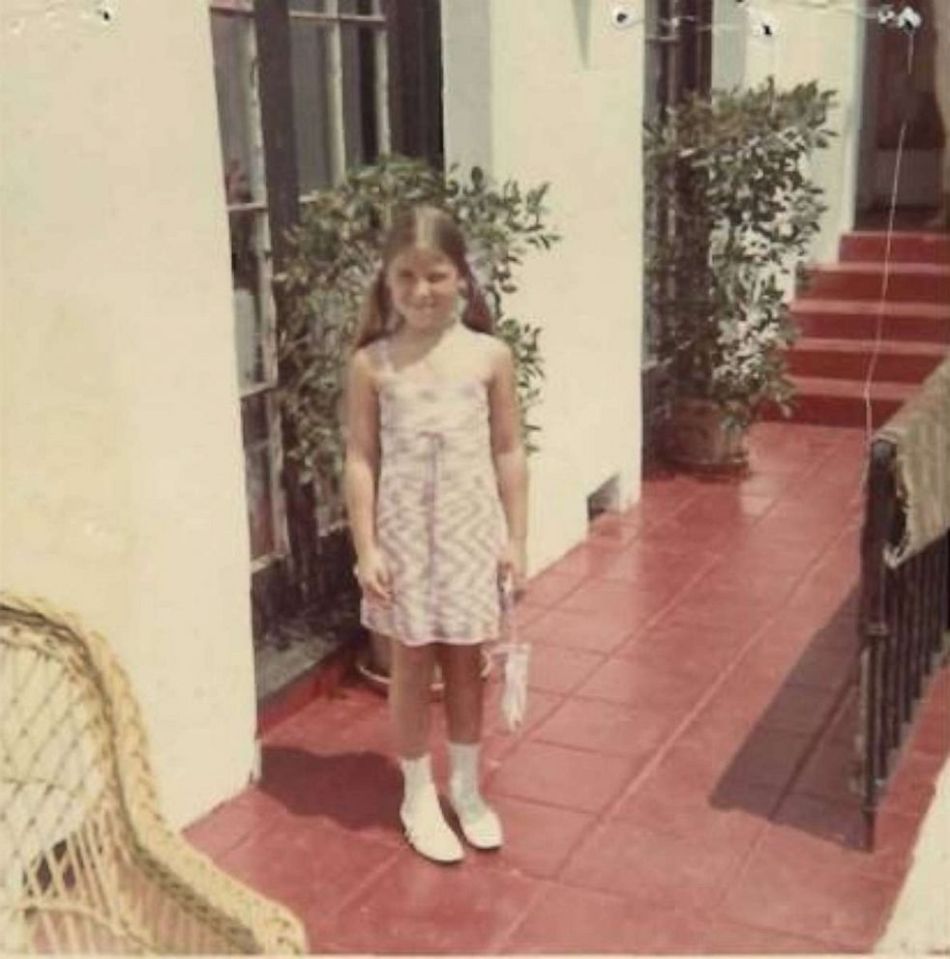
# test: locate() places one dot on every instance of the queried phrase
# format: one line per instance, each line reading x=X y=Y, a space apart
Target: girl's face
x=424 y=286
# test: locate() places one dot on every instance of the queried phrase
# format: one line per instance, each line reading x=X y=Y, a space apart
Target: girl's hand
x=372 y=573
x=511 y=566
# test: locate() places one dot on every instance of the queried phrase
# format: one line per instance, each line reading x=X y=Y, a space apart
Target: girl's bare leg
x=409 y=697
x=461 y=670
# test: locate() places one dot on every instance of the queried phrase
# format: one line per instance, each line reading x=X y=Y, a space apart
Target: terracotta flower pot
x=697 y=436
x=376 y=663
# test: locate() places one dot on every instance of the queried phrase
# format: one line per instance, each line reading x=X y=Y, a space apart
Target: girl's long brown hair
x=433 y=229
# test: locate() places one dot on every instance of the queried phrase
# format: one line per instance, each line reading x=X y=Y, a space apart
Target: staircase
x=840 y=314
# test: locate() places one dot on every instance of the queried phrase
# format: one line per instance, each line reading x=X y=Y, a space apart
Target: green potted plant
x=731 y=210
x=333 y=255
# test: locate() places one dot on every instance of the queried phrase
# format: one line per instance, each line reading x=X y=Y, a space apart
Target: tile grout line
x=395 y=853
x=839 y=946
x=836 y=710
x=498 y=944
x=757 y=636
x=716 y=558
x=705 y=912
x=814 y=740
x=755 y=639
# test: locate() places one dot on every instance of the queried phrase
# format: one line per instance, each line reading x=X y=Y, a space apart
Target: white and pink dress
x=439 y=518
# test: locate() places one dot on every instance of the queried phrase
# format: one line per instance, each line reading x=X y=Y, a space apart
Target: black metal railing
x=903 y=623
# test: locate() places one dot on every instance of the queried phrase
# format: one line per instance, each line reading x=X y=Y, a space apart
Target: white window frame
x=333 y=21
x=267 y=386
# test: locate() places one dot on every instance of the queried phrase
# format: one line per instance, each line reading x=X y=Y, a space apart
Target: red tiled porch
x=681 y=785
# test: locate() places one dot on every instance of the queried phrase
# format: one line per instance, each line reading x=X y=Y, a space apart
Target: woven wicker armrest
x=87 y=862
x=231 y=912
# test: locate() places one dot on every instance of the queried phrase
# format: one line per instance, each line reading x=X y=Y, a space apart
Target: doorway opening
x=307 y=90
x=678 y=64
x=901 y=131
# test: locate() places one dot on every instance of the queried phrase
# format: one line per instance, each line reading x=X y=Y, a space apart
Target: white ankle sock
x=463 y=763
x=417 y=775
x=479 y=822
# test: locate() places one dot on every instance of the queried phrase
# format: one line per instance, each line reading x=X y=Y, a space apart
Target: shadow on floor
x=802 y=749
x=357 y=790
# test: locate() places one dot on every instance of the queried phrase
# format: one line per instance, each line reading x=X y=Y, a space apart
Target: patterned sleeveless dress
x=439 y=519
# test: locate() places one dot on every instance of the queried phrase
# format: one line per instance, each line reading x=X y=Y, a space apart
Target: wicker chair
x=87 y=863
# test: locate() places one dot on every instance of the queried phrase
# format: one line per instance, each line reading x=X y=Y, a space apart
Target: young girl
x=436 y=489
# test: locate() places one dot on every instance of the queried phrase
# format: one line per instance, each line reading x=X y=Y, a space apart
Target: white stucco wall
x=919 y=924
x=815 y=42
x=549 y=90
x=121 y=485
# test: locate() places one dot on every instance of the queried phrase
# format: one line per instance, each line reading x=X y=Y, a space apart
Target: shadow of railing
x=905 y=607
x=803 y=744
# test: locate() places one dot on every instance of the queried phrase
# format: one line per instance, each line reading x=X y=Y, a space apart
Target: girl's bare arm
x=362 y=453
x=507 y=447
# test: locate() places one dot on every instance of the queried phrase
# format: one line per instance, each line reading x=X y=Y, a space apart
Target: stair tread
x=844 y=345
x=849 y=314
x=872 y=267
x=880 y=389
x=924 y=235
x=805 y=304
x=863 y=246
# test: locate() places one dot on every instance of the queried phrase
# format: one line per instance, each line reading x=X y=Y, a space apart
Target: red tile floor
x=681 y=784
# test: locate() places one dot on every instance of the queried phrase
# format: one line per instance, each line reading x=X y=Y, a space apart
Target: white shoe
x=480 y=823
x=427 y=831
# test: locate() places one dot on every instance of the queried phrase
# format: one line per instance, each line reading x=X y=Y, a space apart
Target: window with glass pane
x=339 y=116
x=338 y=77
x=361 y=123
x=360 y=8
x=232 y=35
x=310 y=71
x=242 y=161
x=259 y=474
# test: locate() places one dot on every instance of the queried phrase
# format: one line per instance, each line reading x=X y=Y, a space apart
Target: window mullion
x=337 y=116
x=276 y=462
x=257 y=175
x=382 y=94
x=258 y=185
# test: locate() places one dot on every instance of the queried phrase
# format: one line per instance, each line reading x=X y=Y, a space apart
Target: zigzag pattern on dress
x=439 y=520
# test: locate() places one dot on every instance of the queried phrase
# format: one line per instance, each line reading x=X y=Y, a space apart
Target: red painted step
x=884 y=310
x=838 y=402
x=903 y=247
x=858 y=319
x=916 y=282
x=897 y=362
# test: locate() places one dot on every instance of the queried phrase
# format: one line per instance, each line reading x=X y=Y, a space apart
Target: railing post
x=905 y=598
x=873 y=626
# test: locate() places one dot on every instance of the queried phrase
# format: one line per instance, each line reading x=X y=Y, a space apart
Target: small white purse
x=516 y=653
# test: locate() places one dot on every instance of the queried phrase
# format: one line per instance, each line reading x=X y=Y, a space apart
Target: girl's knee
x=412 y=665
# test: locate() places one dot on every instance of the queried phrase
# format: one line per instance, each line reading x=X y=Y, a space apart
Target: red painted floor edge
x=323 y=679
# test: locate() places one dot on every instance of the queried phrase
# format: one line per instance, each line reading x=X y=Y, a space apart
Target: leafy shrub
x=334 y=253
x=730 y=210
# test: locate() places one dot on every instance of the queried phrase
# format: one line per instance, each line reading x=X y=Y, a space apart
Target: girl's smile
x=424 y=286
